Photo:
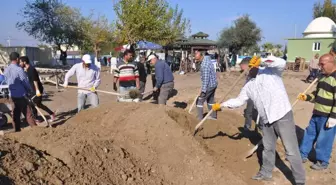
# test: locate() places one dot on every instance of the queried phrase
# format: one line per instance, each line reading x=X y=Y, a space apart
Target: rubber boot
x=213 y=114
x=200 y=113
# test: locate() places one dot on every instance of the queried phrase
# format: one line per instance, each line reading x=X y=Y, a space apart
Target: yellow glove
x=255 y=61
x=38 y=93
x=302 y=97
x=93 y=89
x=216 y=107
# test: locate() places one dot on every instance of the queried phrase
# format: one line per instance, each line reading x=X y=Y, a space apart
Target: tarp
x=141 y=45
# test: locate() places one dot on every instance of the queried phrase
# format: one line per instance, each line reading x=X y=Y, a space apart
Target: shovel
x=193 y=104
x=250 y=152
x=229 y=91
x=38 y=110
x=75 y=87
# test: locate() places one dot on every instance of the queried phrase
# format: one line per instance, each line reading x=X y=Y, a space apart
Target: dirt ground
x=144 y=143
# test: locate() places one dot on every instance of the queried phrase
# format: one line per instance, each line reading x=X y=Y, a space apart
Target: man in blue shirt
x=19 y=88
x=164 y=78
x=209 y=85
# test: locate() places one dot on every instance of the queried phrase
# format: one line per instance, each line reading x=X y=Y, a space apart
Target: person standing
x=127 y=74
x=269 y=95
x=321 y=130
x=313 y=68
x=209 y=85
x=250 y=113
x=88 y=77
x=142 y=75
x=37 y=88
x=19 y=89
x=164 y=78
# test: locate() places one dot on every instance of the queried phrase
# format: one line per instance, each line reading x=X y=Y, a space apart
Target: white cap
x=150 y=57
x=87 y=59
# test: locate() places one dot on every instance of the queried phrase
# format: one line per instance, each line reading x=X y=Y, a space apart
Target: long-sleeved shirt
x=267 y=92
x=17 y=80
x=86 y=77
x=313 y=64
x=324 y=96
x=208 y=74
x=163 y=73
x=127 y=73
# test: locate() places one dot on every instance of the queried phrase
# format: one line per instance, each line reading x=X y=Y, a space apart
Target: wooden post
x=56 y=78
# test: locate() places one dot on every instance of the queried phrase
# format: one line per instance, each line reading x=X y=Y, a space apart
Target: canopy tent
x=140 y=45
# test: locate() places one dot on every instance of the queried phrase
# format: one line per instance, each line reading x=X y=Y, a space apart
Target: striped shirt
x=208 y=74
x=267 y=92
x=127 y=73
x=324 y=96
x=17 y=80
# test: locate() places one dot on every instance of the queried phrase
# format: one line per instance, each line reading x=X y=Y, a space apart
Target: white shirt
x=86 y=77
x=267 y=92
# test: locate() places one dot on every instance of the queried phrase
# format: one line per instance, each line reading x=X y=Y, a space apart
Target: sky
x=276 y=18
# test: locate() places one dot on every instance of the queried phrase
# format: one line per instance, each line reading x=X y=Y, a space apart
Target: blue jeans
x=124 y=91
x=91 y=97
x=318 y=133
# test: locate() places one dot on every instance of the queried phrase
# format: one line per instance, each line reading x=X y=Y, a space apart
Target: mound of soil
x=137 y=144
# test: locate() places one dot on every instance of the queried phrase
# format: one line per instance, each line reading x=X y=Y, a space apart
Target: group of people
x=264 y=93
x=264 y=90
x=132 y=75
x=25 y=90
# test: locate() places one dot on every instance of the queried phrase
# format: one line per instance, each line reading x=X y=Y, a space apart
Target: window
x=316 y=46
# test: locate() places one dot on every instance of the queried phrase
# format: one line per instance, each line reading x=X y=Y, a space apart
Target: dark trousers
x=313 y=74
x=209 y=97
x=142 y=89
x=250 y=113
x=164 y=92
x=38 y=102
x=155 y=94
x=21 y=105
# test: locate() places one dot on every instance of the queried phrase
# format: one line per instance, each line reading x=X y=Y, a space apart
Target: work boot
x=319 y=166
x=262 y=177
x=200 y=113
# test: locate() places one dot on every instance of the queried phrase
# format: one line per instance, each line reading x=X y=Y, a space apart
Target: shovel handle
x=305 y=92
x=193 y=104
x=75 y=87
x=228 y=92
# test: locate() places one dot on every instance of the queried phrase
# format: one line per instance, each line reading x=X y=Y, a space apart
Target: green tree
x=244 y=33
x=52 y=22
x=268 y=47
x=325 y=9
x=151 y=20
x=98 y=33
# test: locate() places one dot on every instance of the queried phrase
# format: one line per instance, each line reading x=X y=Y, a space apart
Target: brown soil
x=132 y=143
x=146 y=144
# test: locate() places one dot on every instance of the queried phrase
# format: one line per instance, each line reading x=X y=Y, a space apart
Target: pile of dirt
x=138 y=144
x=22 y=164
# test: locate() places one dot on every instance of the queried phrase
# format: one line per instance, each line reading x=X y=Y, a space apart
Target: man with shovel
x=164 y=78
x=127 y=75
x=37 y=88
x=88 y=77
x=250 y=113
x=209 y=85
x=269 y=95
x=322 y=126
